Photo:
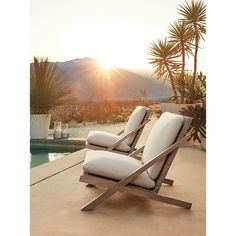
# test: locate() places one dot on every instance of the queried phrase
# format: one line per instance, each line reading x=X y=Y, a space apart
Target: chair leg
x=173 y=201
x=101 y=198
x=98 y=200
x=168 y=181
x=90 y=185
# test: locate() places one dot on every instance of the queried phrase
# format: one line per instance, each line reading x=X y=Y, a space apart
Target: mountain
x=89 y=80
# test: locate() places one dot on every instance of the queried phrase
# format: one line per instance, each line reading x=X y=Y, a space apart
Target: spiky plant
x=194 y=15
x=198 y=125
x=164 y=58
x=181 y=35
x=48 y=88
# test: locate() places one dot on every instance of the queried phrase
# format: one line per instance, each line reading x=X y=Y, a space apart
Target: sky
x=115 y=32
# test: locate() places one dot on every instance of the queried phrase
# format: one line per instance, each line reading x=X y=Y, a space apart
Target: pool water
x=39 y=155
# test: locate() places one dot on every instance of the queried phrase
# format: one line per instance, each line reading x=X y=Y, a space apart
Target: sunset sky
x=116 y=32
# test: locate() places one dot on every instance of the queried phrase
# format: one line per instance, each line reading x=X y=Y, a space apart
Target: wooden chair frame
x=138 y=130
x=124 y=184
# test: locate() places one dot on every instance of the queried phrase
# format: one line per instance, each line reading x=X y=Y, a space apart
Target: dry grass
x=102 y=112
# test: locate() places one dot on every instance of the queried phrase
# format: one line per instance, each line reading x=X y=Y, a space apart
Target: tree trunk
x=172 y=81
x=195 y=57
x=183 y=59
x=182 y=74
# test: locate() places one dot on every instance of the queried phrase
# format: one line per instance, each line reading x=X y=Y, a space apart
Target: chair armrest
x=136 y=152
x=127 y=135
x=122 y=131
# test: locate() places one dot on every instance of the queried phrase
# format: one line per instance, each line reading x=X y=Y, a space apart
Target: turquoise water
x=39 y=156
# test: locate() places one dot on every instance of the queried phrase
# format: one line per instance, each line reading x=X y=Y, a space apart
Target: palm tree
x=194 y=15
x=181 y=35
x=164 y=54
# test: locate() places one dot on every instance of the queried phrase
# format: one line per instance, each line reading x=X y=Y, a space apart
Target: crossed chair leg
x=166 y=181
x=154 y=196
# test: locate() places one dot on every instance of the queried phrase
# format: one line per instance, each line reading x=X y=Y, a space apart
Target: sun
x=105 y=64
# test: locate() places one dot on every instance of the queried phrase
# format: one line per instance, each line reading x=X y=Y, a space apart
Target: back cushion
x=135 y=120
x=162 y=135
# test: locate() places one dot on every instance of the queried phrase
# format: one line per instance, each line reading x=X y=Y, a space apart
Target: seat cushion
x=104 y=139
x=115 y=166
x=162 y=135
x=134 y=121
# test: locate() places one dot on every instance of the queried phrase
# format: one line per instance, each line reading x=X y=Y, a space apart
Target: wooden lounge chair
x=125 y=141
x=117 y=172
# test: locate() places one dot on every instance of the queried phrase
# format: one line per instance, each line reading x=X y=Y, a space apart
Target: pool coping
x=49 y=142
x=42 y=172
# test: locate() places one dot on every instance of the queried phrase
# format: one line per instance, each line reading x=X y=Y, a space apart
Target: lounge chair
x=144 y=178
x=125 y=141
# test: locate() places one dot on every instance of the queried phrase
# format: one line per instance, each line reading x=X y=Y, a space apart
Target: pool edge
x=42 y=172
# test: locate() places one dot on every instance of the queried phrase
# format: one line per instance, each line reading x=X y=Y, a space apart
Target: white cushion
x=162 y=136
x=134 y=121
x=115 y=166
x=104 y=139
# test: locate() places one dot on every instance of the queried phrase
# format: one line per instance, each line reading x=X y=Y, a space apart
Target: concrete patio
x=57 y=196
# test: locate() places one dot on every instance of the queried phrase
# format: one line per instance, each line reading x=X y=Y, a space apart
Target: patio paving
x=57 y=196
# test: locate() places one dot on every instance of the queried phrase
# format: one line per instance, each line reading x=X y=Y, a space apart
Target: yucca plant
x=181 y=35
x=194 y=15
x=48 y=87
x=165 y=60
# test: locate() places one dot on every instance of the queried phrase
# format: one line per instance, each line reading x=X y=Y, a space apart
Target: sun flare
x=105 y=64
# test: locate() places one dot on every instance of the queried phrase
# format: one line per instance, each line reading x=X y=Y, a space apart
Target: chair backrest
x=168 y=161
x=135 y=119
x=138 y=134
x=162 y=135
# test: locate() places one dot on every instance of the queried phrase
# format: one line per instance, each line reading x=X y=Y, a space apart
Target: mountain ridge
x=88 y=80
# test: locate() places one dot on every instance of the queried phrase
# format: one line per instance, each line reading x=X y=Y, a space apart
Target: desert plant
x=194 y=16
x=48 y=87
x=198 y=125
x=164 y=58
x=181 y=35
x=184 y=87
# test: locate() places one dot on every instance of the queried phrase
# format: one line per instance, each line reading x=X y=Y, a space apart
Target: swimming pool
x=41 y=155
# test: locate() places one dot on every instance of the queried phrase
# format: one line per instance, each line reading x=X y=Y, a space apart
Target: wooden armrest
x=127 y=135
x=122 y=131
x=135 y=153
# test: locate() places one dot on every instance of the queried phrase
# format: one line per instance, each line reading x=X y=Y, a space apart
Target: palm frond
x=182 y=35
x=194 y=15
